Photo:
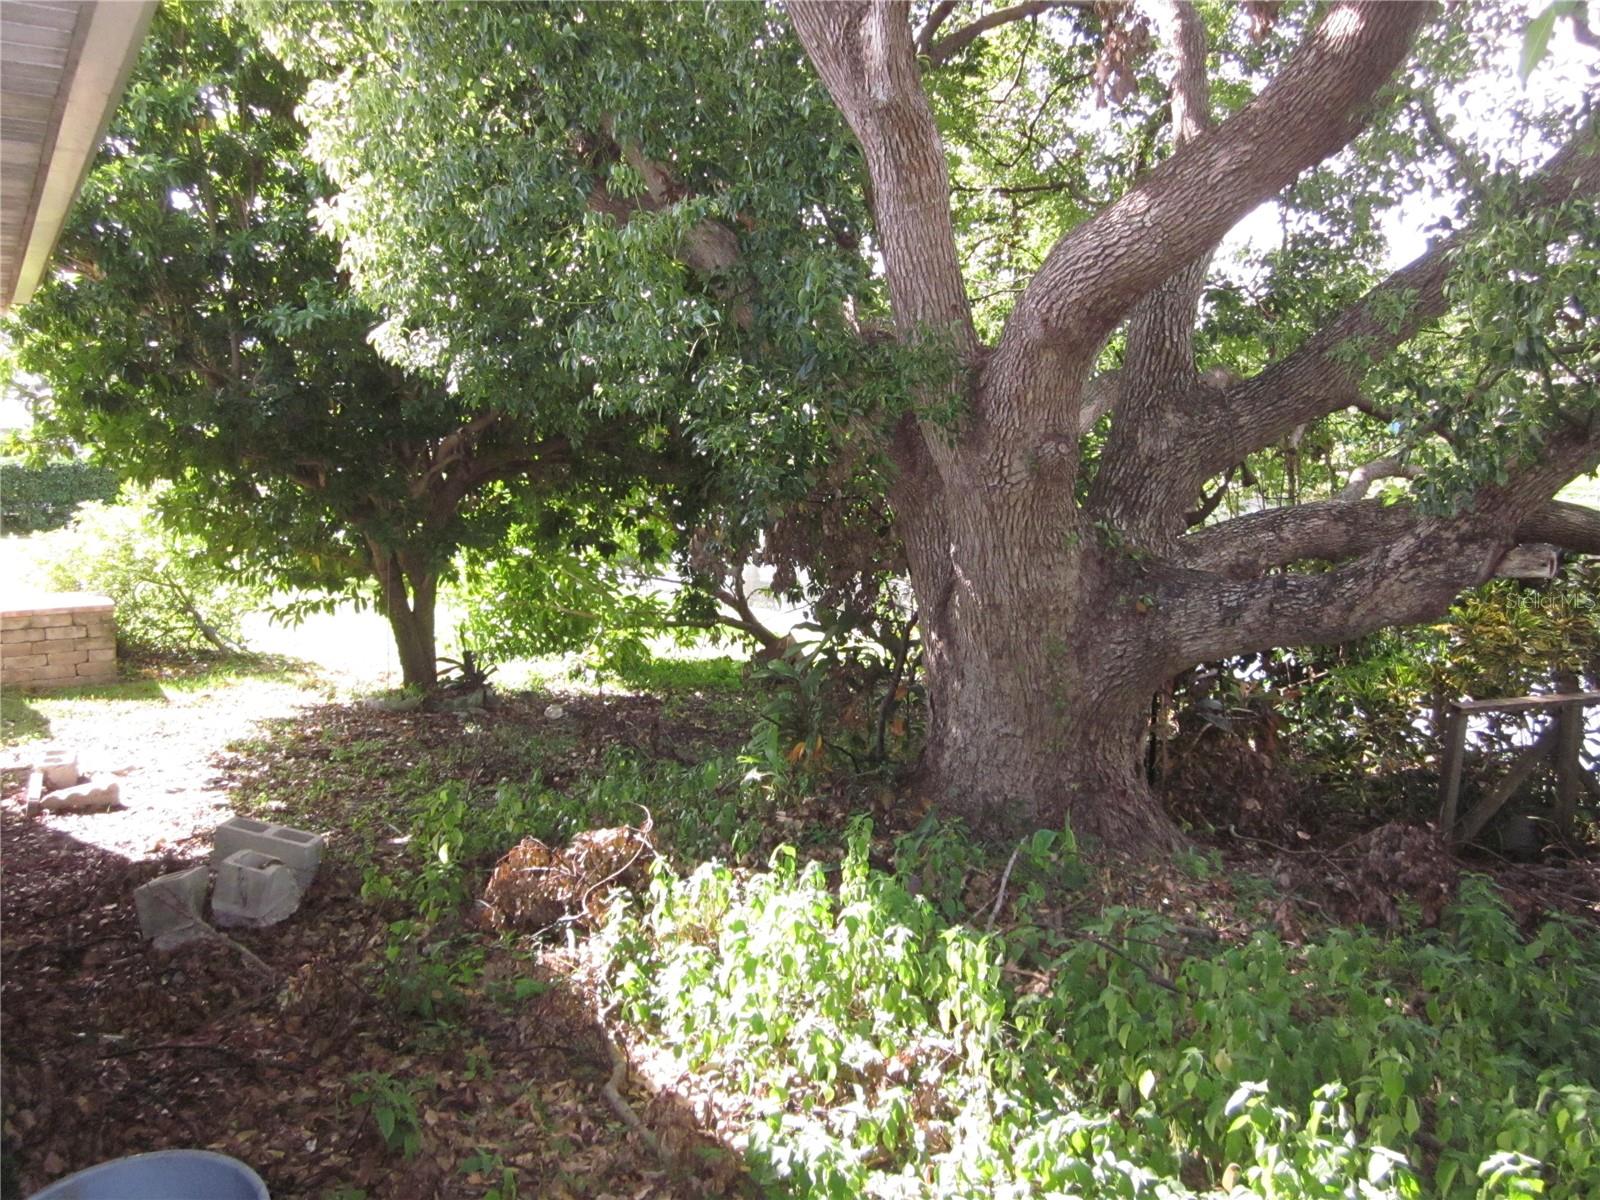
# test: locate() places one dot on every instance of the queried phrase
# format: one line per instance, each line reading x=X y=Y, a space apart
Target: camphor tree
x=203 y=334
x=1071 y=389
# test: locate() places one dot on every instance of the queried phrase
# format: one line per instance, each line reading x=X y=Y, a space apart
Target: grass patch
x=20 y=720
x=722 y=673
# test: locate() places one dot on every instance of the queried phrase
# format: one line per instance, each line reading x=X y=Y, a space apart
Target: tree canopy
x=204 y=333
x=968 y=255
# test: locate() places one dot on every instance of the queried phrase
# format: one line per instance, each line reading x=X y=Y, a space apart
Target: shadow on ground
x=110 y=1048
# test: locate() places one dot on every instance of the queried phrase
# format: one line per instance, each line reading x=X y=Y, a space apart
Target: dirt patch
x=160 y=743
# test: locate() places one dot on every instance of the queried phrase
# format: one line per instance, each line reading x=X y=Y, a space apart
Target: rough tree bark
x=408 y=587
x=1049 y=623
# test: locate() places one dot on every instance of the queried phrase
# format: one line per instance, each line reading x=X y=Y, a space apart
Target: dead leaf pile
x=535 y=887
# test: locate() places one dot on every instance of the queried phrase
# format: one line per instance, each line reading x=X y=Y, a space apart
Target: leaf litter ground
x=111 y=1049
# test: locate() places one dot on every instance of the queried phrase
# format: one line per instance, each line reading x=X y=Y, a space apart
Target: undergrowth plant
x=872 y=1046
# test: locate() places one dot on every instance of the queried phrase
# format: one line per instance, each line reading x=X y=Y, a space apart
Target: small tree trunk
x=408 y=589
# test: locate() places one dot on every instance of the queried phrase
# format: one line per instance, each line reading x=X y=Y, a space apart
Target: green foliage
x=392 y=1105
x=561 y=585
x=38 y=496
x=881 y=1051
x=1356 y=710
x=203 y=333
x=1536 y=39
x=171 y=595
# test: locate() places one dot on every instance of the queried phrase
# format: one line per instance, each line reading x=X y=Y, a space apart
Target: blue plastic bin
x=161 y=1175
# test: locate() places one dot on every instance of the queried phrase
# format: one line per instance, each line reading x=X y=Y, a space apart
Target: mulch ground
x=110 y=1048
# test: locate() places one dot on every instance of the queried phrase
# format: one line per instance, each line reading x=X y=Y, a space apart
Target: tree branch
x=936 y=18
x=1160 y=357
x=946 y=48
x=863 y=52
x=1094 y=275
x=1406 y=566
x=1368 y=473
x=1313 y=381
x=1336 y=530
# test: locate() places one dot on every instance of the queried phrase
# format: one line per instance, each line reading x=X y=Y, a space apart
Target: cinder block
x=107 y=655
x=172 y=904
x=254 y=890
x=93 y=796
x=19 y=637
x=65 y=633
x=50 y=620
x=68 y=658
x=300 y=851
x=25 y=662
x=60 y=767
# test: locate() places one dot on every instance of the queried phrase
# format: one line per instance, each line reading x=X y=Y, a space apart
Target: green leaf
x=1536 y=39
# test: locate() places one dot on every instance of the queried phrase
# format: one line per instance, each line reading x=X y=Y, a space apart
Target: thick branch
x=1160 y=358
x=864 y=55
x=1408 y=566
x=930 y=28
x=1095 y=274
x=1368 y=473
x=1314 y=381
x=1336 y=530
x=863 y=52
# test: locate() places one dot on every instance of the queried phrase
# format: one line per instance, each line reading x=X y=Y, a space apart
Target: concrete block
x=96 y=795
x=300 y=851
x=172 y=903
x=65 y=633
x=18 y=637
x=24 y=662
x=60 y=767
x=106 y=655
x=50 y=620
x=254 y=890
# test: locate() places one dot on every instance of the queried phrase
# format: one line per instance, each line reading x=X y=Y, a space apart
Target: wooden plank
x=1521 y=771
x=33 y=81
x=20 y=54
x=1455 y=739
x=1521 y=703
x=1535 y=560
x=62 y=17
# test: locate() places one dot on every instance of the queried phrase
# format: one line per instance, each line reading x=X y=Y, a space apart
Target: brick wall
x=60 y=640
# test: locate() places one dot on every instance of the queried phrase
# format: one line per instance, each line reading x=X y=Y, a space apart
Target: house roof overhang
x=63 y=68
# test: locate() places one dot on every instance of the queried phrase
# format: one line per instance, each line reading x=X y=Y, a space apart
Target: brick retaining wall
x=60 y=640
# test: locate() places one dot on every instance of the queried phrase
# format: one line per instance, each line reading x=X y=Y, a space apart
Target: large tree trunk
x=1051 y=611
x=408 y=588
x=1039 y=670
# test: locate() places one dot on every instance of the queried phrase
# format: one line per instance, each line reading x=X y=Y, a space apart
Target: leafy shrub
x=392 y=1105
x=876 y=1049
x=39 y=496
x=170 y=594
x=1367 y=716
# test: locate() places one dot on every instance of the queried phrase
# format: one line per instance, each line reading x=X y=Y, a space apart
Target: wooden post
x=1455 y=738
x=1569 y=768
